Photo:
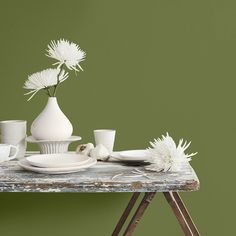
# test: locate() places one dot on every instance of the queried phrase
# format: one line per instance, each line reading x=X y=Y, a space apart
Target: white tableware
x=57 y=160
x=5 y=150
x=132 y=156
x=14 y=132
x=51 y=147
x=106 y=137
x=60 y=170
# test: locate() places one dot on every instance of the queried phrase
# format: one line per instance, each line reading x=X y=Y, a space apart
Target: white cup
x=106 y=137
x=5 y=150
x=14 y=132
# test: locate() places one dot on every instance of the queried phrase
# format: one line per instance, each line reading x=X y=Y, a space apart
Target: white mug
x=14 y=132
x=106 y=137
x=5 y=150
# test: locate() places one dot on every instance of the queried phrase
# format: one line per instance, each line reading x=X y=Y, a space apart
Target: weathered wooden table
x=100 y=178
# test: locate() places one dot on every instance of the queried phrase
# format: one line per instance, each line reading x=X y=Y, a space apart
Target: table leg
x=125 y=214
x=139 y=213
x=186 y=214
x=181 y=213
x=174 y=200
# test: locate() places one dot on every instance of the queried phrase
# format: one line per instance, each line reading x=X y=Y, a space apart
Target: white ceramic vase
x=51 y=124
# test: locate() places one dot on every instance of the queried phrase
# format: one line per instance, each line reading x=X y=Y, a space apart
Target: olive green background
x=152 y=66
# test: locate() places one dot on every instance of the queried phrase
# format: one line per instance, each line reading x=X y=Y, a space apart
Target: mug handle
x=16 y=152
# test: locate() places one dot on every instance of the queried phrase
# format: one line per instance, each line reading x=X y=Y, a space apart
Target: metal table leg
x=175 y=202
x=125 y=214
x=139 y=213
x=186 y=214
x=181 y=214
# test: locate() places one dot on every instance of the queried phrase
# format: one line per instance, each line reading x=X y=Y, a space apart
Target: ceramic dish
x=53 y=146
x=57 y=160
x=131 y=156
x=60 y=170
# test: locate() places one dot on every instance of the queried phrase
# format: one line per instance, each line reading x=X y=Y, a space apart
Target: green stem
x=58 y=81
x=48 y=91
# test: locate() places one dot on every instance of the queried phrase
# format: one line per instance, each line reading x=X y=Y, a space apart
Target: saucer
x=60 y=170
x=57 y=160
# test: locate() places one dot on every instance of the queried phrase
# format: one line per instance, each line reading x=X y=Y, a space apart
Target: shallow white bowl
x=60 y=170
x=57 y=160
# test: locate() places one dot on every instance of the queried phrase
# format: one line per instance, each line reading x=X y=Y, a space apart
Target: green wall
x=152 y=66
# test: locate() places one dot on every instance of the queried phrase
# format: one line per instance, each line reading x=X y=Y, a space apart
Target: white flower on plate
x=166 y=155
x=44 y=80
x=67 y=53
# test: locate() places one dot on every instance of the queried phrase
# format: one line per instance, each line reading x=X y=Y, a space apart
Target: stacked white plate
x=57 y=163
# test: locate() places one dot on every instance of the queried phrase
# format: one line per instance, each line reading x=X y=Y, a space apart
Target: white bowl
x=51 y=146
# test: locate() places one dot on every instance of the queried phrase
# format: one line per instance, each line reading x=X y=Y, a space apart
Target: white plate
x=57 y=160
x=132 y=155
x=60 y=170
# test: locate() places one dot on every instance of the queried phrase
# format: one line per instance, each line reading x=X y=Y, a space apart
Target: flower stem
x=58 y=81
x=47 y=89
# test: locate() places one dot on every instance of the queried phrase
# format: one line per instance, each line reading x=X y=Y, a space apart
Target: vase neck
x=52 y=103
x=52 y=99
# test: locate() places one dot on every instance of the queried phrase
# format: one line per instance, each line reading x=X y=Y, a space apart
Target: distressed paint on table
x=96 y=179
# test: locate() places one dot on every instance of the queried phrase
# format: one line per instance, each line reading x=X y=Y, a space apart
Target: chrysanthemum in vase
x=52 y=124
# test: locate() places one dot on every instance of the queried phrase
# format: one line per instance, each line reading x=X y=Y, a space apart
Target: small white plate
x=57 y=160
x=61 y=170
x=132 y=155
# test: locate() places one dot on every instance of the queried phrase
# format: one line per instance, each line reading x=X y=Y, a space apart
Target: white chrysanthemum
x=43 y=80
x=165 y=155
x=67 y=53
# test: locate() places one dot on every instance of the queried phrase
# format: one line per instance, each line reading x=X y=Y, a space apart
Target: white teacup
x=106 y=137
x=14 y=132
x=5 y=150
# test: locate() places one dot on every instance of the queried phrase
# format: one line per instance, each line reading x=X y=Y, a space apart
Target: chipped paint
x=98 y=178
